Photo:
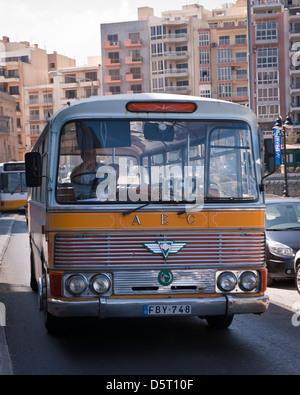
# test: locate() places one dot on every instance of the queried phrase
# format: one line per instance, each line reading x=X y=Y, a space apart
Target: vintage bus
x=148 y=205
x=13 y=189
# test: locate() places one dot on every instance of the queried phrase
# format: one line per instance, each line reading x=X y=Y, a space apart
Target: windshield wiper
x=283 y=229
x=135 y=209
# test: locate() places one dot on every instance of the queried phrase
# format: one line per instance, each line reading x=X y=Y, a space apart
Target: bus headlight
x=248 y=281
x=227 y=281
x=100 y=284
x=76 y=284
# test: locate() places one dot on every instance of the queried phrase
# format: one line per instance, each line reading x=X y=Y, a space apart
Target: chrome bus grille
x=207 y=248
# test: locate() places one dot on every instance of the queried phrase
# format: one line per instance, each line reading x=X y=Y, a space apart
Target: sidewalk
x=6 y=225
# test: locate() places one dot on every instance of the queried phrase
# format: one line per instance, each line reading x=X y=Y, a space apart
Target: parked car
x=282 y=236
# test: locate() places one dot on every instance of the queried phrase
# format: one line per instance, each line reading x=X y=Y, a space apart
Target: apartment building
x=125 y=54
x=223 y=55
x=174 y=50
x=74 y=83
x=293 y=8
x=38 y=107
x=23 y=66
x=8 y=128
x=270 y=61
x=191 y=51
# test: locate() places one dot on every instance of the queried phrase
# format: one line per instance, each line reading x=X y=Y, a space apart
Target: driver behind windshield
x=83 y=176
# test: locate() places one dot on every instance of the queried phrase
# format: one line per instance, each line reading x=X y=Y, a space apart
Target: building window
x=242 y=74
x=113 y=39
x=224 y=73
x=70 y=78
x=204 y=39
x=225 y=90
x=241 y=39
x=34 y=115
x=114 y=57
x=71 y=94
x=267 y=57
x=242 y=91
x=267 y=77
x=204 y=74
x=136 y=88
x=91 y=75
x=205 y=93
x=266 y=31
x=48 y=112
x=48 y=98
x=13 y=73
x=224 y=40
x=14 y=90
x=33 y=99
x=224 y=55
x=115 y=90
x=204 y=56
x=268 y=111
x=156 y=32
x=229 y=24
x=268 y=94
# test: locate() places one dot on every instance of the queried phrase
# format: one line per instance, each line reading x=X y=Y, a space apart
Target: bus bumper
x=114 y=308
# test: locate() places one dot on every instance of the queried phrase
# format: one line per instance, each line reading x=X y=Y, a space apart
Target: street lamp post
x=56 y=73
x=284 y=127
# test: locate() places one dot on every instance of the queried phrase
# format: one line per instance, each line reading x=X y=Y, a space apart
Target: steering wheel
x=79 y=175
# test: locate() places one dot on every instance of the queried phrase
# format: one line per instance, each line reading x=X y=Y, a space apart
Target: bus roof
x=115 y=106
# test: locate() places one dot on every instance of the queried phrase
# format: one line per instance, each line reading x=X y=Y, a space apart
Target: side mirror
x=33 y=169
x=159 y=132
x=270 y=156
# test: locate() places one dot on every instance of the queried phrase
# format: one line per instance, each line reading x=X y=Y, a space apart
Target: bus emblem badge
x=165 y=277
x=164 y=248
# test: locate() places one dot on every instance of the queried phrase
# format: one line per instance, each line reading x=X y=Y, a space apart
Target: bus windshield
x=13 y=182
x=173 y=161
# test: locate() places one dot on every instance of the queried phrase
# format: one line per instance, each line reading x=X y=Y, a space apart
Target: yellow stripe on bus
x=155 y=220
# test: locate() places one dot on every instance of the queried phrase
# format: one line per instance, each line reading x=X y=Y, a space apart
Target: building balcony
x=267 y=5
x=110 y=45
x=175 y=21
x=174 y=55
x=179 y=37
x=128 y=43
x=295 y=107
x=233 y=96
x=133 y=61
x=294 y=34
x=233 y=62
x=174 y=89
x=112 y=79
x=266 y=41
x=295 y=88
x=137 y=78
x=174 y=72
x=39 y=102
x=108 y=62
x=234 y=78
x=294 y=70
x=8 y=79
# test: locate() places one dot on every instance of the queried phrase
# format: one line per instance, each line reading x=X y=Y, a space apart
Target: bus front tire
x=219 y=321
x=56 y=325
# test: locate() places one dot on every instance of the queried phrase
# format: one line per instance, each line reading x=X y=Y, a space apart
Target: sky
x=72 y=27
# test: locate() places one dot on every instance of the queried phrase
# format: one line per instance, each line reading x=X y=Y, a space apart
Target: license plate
x=154 y=309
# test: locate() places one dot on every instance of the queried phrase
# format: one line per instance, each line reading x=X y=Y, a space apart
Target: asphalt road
x=256 y=345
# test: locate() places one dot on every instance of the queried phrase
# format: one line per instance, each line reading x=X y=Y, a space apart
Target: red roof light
x=173 y=107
